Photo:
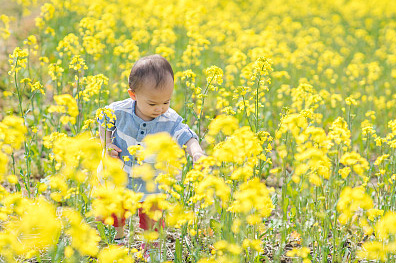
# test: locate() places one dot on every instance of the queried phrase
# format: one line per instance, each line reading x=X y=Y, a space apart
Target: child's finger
x=116 y=148
x=112 y=147
x=114 y=154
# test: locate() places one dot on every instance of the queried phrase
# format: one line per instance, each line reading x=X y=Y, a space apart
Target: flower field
x=293 y=103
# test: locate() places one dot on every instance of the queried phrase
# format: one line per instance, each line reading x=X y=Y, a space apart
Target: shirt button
x=144 y=124
x=142 y=132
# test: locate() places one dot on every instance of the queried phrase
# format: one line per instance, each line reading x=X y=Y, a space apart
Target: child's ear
x=131 y=94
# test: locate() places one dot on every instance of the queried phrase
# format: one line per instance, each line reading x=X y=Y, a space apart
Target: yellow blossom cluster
x=66 y=105
x=117 y=201
x=5 y=28
x=384 y=245
x=12 y=136
x=18 y=60
x=357 y=162
x=252 y=199
x=351 y=200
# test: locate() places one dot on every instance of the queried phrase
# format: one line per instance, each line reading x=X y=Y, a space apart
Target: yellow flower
x=77 y=63
x=344 y=172
x=5 y=29
x=93 y=86
x=18 y=60
x=55 y=70
x=243 y=147
x=88 y=124
x=109 y=200
x=177 y=216
x=209 y=188
x=70 y=45
x=107 y=116
x=150 y=236
x=12 y=131
x=114 y=253
x=358 y=163
x=386 y=226
x=350 y=101
x=169 y=157
x=36 y=86
x=381 y=159
x=154 y=205
x=373 y=250
x=12 y=179
x=69 y=252
x=48 y=140
x=351 y=200
x=254 y=244
x=226 y=124
x=252 y=196
x=339 y=132
x=373 y=213
x=112 y=172
x=147 y=173
x=66 y=104
x=33 y=230
x=80 y=233
x=214 y=75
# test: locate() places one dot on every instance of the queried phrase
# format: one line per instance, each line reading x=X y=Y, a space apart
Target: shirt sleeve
x=106 y=117
x=182 y=133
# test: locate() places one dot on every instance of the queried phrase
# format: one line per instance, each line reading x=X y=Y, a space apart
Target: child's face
x=152 y=102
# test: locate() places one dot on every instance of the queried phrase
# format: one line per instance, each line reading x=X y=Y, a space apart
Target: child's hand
x=113 y=150
x=197 y=156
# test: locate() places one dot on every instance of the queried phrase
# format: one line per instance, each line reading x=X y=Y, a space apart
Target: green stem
x=257 y=104
x=202 y=106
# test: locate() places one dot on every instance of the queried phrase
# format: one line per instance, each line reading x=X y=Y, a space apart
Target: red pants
x=145 y=222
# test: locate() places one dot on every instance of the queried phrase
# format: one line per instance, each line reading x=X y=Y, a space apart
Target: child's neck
x=141 y=116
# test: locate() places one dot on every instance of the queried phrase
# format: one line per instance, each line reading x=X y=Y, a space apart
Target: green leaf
x=102 y=232
x=178 y=251
x=215 y=226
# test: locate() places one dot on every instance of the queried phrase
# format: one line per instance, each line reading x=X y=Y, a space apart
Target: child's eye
x=166 y=102
x=152 y=104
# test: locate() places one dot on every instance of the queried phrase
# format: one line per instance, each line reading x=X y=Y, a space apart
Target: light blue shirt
x=129 y=129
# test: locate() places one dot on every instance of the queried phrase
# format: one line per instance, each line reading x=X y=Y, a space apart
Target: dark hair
x=151 y=66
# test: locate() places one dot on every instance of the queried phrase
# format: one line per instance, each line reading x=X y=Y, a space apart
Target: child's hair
x=151 y=66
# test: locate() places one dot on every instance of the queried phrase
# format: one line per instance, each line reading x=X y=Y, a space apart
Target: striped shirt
x=129 y=129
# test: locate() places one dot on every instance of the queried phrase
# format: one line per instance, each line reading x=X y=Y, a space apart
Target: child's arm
x=194 y=149
x=105 y=137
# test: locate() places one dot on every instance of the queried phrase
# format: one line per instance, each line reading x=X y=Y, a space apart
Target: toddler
x=147 y=111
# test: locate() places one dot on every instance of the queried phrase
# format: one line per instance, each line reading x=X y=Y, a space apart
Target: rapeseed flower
x=18 y=60
x=252 y=196
x=357 y=162
x=351 y=200
x=373 y=250
x=169 y=157
x=5 y=28
x=177 y=216
x=242 y=147
x=66 y=104
x=154 y=204
x=117 y=201
x=386 y=226
x=31 y=231
x=210 y=188
x=115 y=253
x=80 y=233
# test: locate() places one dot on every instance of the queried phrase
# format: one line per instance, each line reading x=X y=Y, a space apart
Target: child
x=147 y=111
